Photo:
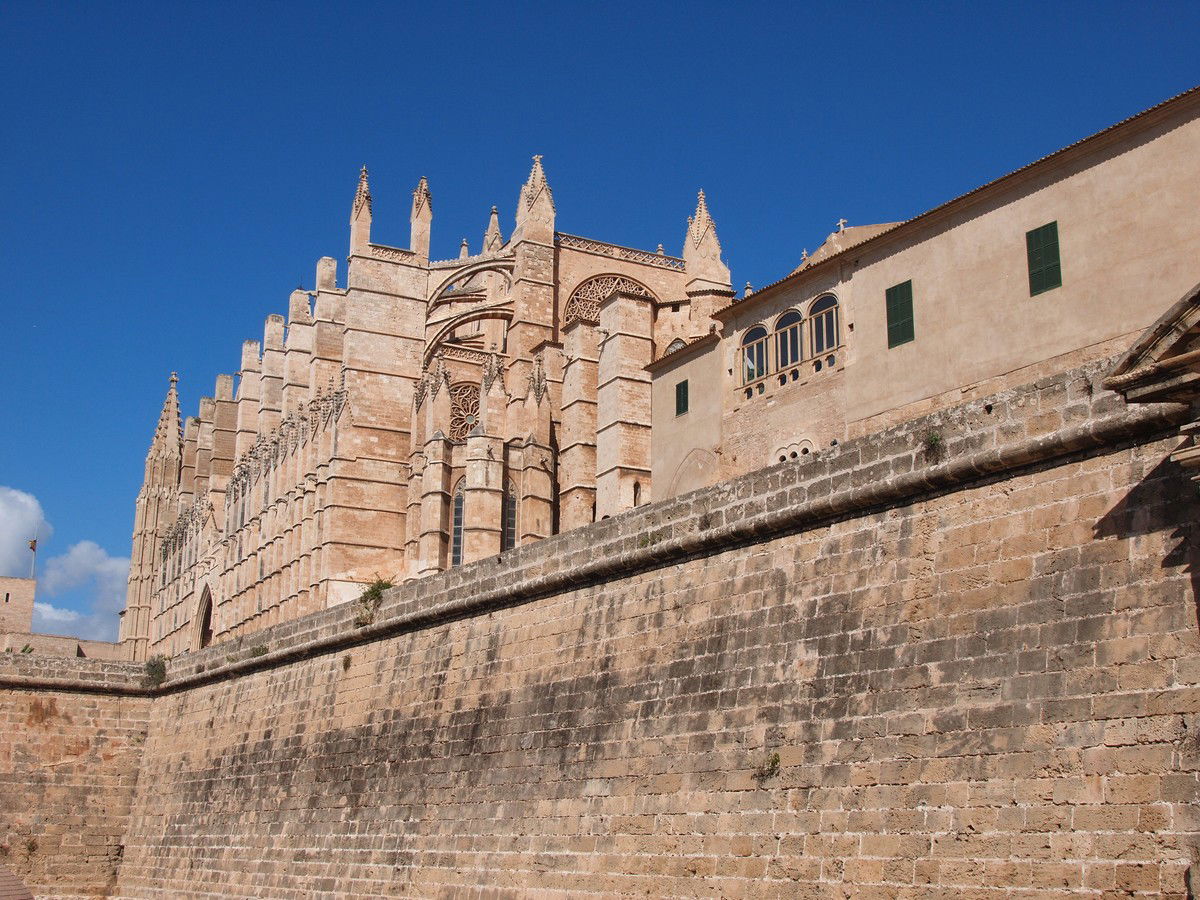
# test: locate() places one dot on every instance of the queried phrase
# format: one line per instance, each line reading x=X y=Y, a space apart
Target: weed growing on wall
x=369 y=602
x=156 y=671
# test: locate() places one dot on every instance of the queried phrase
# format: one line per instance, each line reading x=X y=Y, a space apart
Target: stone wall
x=891 y=669
x=902 y=667
x=71 y=737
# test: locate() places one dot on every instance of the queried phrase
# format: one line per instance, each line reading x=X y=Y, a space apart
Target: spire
x=464 y=249
x=360 y=215
x=536 y=184
x=493 y=240
x=168 y=434
x=421 y=218
x=422 y=200
x=700 y=224
x=535 y=208
x=362 y=196
x=702 y=251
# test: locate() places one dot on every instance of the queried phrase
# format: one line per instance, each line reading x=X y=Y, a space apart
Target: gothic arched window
x=754 y=354
x=508 y=530
x=456 y=527
x=823 y=322
x=206 y=629
x=787 y=340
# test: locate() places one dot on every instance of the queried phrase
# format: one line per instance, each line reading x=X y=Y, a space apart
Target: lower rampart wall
x=962 y=668
x=71 y=738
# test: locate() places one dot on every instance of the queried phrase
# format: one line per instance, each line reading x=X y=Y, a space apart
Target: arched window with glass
x=508 y=514
x=788 y=350
x=754 y=354
x=456 y=526
x=823 y=323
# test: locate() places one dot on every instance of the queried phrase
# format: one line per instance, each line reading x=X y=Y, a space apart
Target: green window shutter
x=1045 y=270
x=900 y=314
x=681 y=398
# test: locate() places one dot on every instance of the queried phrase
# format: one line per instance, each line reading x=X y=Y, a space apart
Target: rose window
x=464 y=410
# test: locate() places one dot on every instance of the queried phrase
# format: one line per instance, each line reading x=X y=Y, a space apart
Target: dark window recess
x=456 y=529
x=508 y=533
x=681 y=398
x=1045 y=272
x=900 y=314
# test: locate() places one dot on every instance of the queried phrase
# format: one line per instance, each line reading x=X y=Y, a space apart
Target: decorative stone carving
x=493 y=369
x=585 y=302
x=392 y=254
x=587 y=245
x=537 y=380
x=464 y=409
x=362 y=196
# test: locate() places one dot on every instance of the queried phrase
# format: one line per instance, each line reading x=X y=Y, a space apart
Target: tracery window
x=823 y=322
x=508 y=530
x=584 y=302
x=464 y=410
x=456 y=527
x=787 y=339
x=754 y=354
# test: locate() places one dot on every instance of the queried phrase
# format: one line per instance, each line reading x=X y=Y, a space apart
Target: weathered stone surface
x=979 y=681
x=70 y=746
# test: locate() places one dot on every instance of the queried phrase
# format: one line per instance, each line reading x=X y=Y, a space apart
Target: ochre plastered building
x=425 y=414
x=884 y=323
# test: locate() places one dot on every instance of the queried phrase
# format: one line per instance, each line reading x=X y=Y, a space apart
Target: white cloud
x=52 y=615
x=85 y=565
x=85 y=569
x=21 y=520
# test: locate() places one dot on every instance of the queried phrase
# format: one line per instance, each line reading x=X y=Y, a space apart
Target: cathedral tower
x=154 y=513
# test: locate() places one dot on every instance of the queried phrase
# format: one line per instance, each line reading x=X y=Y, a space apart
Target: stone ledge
x=29 y=672
x=1033 y=425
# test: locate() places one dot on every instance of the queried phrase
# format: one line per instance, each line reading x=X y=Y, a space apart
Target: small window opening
x=681 y=397
x=508 y=534
x=899 y=303
x=456 y=528
x=1045 y=269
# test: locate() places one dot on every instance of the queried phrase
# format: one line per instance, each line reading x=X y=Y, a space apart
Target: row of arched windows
x=508 y=520
x=793 y=339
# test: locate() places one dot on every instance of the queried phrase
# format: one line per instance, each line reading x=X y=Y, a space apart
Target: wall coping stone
x=41 y=672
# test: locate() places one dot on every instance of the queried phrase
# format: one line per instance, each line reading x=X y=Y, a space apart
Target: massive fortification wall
x=962 y=668
x=71 y=737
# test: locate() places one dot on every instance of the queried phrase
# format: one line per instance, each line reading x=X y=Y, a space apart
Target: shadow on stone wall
x=1165 y=500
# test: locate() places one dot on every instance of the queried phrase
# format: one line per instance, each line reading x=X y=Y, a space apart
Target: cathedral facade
x=424 y=414
x=421 y=414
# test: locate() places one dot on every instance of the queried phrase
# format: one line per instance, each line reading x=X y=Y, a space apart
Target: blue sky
x=171 y=172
